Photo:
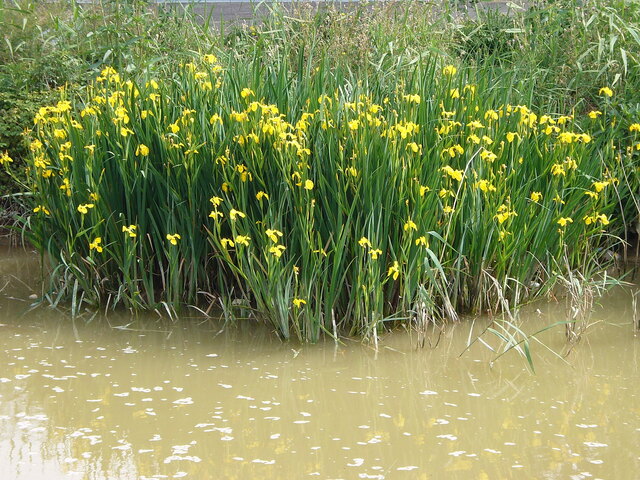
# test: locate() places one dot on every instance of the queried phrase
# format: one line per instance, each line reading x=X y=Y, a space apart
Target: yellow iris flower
x=173 y=238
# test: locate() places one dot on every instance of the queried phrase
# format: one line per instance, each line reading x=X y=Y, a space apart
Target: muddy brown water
x=139 y=398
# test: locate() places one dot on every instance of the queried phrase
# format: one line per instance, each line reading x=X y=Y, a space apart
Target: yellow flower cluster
x=463 y=161
x=504 y=214
x=366 y=244
x=5 y=159
x=173 y=238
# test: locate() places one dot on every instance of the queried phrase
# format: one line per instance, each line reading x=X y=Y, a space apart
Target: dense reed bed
x=318 y=200
x=326 y=170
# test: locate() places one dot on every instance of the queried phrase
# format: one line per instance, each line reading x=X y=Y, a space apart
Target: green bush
x=490 y=36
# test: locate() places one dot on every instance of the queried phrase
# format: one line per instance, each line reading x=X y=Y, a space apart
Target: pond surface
x=143 y=398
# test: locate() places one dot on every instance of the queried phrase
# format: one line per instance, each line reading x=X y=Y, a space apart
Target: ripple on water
x=264 y=462
x=428 y=392
x=182 y=458
x=595 y=444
